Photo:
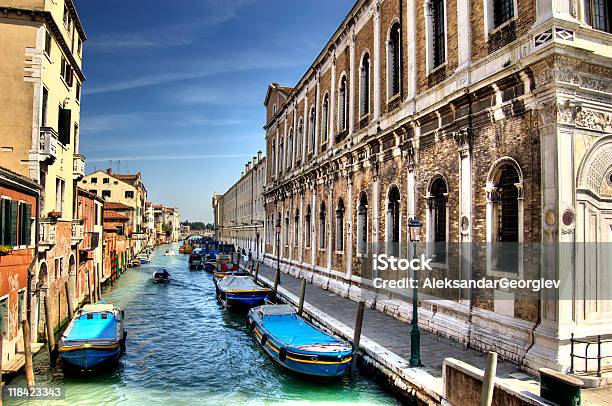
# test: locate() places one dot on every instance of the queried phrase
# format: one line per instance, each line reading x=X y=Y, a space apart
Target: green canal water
x=184 y=348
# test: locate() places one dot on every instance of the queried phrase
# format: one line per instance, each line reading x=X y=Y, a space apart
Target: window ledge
x=437 y=68
x=339 y=252
x=500 y=27
x=397 y=95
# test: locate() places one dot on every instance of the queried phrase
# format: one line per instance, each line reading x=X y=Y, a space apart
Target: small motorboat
x=236 y=272
x=143 y=259
x=161 y=276
x=94 y=338
x=169 y=253
x=135 y=262
x=296 y=344
x=240 y=291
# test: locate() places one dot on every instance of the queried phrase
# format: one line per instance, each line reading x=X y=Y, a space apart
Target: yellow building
x=126 y=189
x=41 y=79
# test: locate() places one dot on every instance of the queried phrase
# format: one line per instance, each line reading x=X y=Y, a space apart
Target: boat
x=94 y=338
x=297 y=345
x=225 y=274
x=182 y=249
x=161 y=276
x=169 y=253
x=196 y=260
x=143 y=259
x=135 y=262
x=240 y=291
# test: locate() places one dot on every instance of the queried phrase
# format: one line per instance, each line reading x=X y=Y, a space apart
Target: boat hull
x=243 y=299
x=88 y=359
x=319 y=366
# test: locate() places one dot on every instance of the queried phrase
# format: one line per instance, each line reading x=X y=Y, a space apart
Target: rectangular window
x=24 y=236
x=106 y=193
x=94 y=191
x=45 y=104
x=78 y=91
x=4 y=315
x=64 y=125
x=503 y=10
x=129 y=194
x=598 y=14
x=94 y=180
x=105 y=180
x=79 y=46
x=439 y=36
x=8 y=220
x=20 y=306
x=47 y=43
x=58 y=268
x=60 y=189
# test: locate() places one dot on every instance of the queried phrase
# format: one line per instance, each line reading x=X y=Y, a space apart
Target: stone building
x=167 y=224
x=490 y=122
x=90 y=251
x=239 y=212
x=41 y=81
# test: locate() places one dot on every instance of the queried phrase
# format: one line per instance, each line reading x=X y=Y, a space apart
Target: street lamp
x=277 y=228
x=414 y=231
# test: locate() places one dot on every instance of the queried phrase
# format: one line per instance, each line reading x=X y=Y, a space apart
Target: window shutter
x=2 y=221
x=63 y=127
x=27 y=240
x=12 y=241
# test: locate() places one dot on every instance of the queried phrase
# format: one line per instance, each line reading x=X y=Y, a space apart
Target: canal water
x=184 y=348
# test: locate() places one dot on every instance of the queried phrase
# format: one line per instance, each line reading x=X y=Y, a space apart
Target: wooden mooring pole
x=69 y=301
x=302 y=296
x=91 y=299
x=49 y=327
x=256 y=272
x=488 y=385
x=27 y=350
x=99 y=285
x=276 y=283
x=357 y=335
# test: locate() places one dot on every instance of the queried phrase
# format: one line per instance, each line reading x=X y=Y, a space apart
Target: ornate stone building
x=489 y=121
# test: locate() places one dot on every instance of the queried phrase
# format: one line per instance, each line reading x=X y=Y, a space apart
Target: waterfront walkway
x=394 y=336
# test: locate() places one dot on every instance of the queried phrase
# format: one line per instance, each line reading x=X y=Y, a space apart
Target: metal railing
x=598 y=341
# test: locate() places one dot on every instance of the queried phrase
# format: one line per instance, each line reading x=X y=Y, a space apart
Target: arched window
x=311 y=129
x=362 y=224
x=300 y=135
x=340 y=226
x=342 y=104
x=364 y=86
x=324 y=119
x=296 y=227
x=393 y=218
x=394 y=73
x=438 y=31
x=287 y=229
x=290 y=149
x=273 y=158
x=322 y=226
x=281 y=154
x=508 y=222
x=307 y=227
x=437 y=220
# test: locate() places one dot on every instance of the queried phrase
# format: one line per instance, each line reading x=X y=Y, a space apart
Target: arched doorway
x=393 y=220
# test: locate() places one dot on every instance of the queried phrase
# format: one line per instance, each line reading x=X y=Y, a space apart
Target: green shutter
x=2 y=221
x=13 y=224
x=26 y=225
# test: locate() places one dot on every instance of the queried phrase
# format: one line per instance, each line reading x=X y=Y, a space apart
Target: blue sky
x=175 y=89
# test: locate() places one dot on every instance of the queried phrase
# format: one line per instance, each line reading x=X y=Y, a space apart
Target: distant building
x=239 y=213
x=18 y=207
x=127 y=189
x=167 y=224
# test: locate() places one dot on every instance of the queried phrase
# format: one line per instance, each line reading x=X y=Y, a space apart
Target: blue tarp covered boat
x=94 y=338
x=297 y=345
x=240 y=291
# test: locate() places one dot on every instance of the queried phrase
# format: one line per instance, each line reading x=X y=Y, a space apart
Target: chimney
x=254 y=161
x=109 y=171
x=259 y=153
x=241 y=174
x=247 y=167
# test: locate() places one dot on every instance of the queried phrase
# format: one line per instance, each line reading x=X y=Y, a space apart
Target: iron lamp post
x=277 y=228
x=414 y=230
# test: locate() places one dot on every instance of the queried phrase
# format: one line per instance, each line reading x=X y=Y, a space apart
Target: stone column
x=332 y=104
x=330 y=223
x=464 y=34
x=376 y=97
x=301 y=227
x=277 y=153
x=305 y=133
x=351 y=88
x=313 y=220
x=375 y=204
x=295 y=132
x=315 y=146
x=411 y=47
x=348 y=242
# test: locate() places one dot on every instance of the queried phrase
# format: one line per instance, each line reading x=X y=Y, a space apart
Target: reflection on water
x=184 y=348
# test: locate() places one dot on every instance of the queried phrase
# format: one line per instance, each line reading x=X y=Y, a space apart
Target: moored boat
x=240 y=291
x=94 y=338
x=296 y=344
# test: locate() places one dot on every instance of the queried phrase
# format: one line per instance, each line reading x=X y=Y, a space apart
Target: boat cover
x=239 y=283
x=96 y=328
x=283 y=323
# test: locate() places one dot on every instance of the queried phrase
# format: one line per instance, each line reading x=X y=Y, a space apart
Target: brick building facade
x=489 y=121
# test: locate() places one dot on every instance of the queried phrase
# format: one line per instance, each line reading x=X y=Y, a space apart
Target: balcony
x=78 y=166
x=47 y=234
x=47 y=149
x=78 y=232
